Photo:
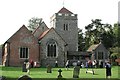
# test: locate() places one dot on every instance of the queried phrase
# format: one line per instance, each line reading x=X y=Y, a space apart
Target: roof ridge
x=44 y=33
x=47 y=31
x=39 y=27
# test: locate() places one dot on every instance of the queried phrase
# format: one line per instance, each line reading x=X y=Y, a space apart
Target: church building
x=44 y=45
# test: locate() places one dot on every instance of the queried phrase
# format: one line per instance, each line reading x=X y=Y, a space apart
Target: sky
x=15 y=13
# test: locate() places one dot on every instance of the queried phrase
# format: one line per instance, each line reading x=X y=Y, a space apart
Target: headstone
x=24 y=77
x=24 y=67
x=76 y=72
x=49 y=69
x=59 y=75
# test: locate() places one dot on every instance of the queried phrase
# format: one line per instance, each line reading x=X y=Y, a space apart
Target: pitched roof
x=39 y=27
x=47 y=31
x=17 y=32
x=64 y=10
x=118 y=60
x=78 y=53
x=93 y=47
x=44 y=33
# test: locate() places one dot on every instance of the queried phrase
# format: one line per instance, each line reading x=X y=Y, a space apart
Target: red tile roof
x=118 y=60
x=39 y=27
x=47 y=31
x=44 y=33
x=64 y=10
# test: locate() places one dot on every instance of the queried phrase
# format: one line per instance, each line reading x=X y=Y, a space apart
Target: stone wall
x=60 y=53
x=70 y=35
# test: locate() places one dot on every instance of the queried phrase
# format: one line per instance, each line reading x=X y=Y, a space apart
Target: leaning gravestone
x=49 y=69
x=24 y=77
x=76 y=72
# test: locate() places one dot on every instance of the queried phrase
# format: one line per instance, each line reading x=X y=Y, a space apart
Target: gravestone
x=24 y=67
x=24 y=77
x=76 y=72
x=59 y=75
x=49 y=69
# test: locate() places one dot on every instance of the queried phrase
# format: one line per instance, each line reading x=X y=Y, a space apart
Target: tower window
x=65 y=26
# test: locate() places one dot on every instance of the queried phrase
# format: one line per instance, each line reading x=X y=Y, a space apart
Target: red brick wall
x=23 y=38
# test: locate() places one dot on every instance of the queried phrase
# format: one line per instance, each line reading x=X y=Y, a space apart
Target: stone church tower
x=65 y=23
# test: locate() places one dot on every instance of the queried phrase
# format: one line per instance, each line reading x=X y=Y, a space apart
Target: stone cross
x=59 y=75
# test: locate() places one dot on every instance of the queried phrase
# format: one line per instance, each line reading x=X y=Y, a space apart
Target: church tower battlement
x=65 y=23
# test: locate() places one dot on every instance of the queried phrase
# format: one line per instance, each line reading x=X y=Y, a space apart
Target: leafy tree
x=93 y=32
x=81 y=46
x=98 y=32
x=116 y=31
x=108 y=36
x=88 y=35
x=115 y=50
x=34 y=22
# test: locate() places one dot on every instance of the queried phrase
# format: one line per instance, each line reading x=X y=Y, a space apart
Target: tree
x=108 y=36
x=88 y=35
x=34 y=22
x=93 y=32
x=81 y=46
x=97 y=32
x=116 y=31
x=116 y=48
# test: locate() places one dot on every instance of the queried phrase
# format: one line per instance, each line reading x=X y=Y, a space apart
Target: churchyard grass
x=16 y=72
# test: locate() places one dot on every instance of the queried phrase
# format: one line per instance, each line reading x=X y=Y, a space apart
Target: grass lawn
x=15 y=72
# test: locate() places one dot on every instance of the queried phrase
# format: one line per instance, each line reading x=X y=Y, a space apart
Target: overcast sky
x=15 y=13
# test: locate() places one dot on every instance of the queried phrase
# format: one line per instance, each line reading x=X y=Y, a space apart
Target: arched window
x=52 y=48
